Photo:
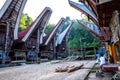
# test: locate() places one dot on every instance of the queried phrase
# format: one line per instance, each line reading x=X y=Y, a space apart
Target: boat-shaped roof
x=63 y=34
x=49 y=36
x=41 y=21
x=82 y=8
x=11 y=12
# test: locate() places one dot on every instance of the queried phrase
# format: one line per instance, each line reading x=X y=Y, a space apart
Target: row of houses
x=16 y=45
x=105 y=14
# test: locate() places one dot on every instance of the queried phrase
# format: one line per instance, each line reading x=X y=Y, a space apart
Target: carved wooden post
x=7 y=36
x=54 y=48
x=5 y=54
x=38 y=43
x=94 y=52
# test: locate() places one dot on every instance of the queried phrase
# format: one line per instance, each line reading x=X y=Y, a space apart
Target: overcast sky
x=60 y=8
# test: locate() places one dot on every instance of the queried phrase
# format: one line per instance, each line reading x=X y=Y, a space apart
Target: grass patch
x=30 y=62
x=9 y=65
x=93 y=70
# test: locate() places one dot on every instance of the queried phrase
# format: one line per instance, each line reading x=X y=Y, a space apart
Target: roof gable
x=11 y=11
x=50 y=35
x=85 y=10
x=41 y=21
x=63 y=34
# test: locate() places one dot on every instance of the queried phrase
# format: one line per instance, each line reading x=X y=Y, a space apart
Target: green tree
x=25 y=21
x=67 y=22
x=79 y=32
x=49 y=28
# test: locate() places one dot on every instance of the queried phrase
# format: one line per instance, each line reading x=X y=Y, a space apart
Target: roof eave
x=84 y=12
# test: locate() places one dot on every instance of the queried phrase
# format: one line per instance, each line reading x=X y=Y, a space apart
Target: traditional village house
x=48 y=48
x=9 y=21
x=103 y=10
x=31 y=38
x=61 y=43
x=115 y=39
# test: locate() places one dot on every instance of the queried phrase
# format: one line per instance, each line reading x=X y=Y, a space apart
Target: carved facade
x=48 y=48
x=9 y=20
x=32 y=36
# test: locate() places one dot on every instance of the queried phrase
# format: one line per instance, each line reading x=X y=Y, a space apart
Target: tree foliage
x=78 y=33
x=25 y=21
x=49 y=28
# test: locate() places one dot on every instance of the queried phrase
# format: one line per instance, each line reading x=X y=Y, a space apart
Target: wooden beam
x=90 y=4
x=95 y=36
x=79 y=9
x=74 y=68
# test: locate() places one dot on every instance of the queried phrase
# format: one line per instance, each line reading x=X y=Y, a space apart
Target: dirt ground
x=46 y=71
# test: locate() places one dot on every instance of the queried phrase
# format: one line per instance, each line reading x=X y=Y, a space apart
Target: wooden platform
x=105 y=75
x=110 y=67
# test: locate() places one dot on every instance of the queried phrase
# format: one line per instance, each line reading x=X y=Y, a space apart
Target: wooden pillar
x=94 y=51
x=54 y=48
x=38 y=44
x=118 y=50
x=114 y=53
x=7 y=36
x=6 y=50
x=119 y=45
x=110 y=52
